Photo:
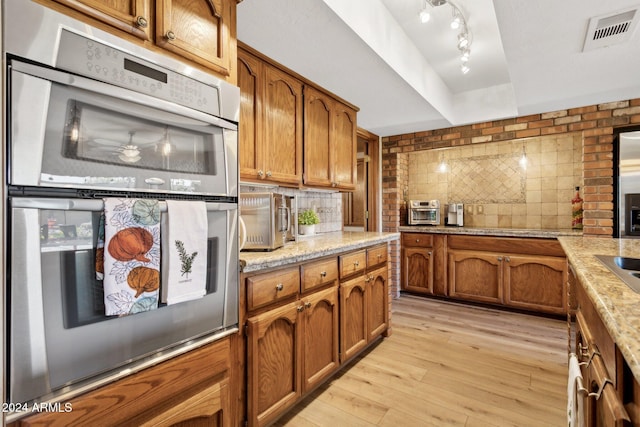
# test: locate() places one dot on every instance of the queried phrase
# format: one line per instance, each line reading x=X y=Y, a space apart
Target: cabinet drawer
x=316 y=274
x=420 y=240
x=267 y=288
x=352 y=263
x=376 y=255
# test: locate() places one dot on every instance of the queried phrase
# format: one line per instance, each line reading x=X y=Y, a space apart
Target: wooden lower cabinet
x=290 y=350
x=353 y=314
x=274 y=349
x=377 y=302
x=603 y=371
x=536 y=283
x=191 y=389
x=294 y=342
x=476 y=276
x=523 y=273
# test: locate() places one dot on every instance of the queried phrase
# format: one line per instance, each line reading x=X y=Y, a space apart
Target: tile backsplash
x=495 y=187
x=328 y=205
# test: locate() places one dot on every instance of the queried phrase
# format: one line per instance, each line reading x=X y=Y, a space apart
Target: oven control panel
x=110 y=65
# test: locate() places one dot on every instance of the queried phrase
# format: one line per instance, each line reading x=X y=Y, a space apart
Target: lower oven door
x=59 y=338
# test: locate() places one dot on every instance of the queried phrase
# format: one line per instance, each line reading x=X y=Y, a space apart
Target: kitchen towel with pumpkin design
x=131 y=255
x=184 y=251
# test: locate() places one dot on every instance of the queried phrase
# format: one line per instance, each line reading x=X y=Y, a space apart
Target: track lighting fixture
x=458 y=22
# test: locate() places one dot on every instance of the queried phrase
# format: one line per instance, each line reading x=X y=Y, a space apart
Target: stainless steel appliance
x=632 y=216
x=270 y=220
x=91 y=116
x=423 y=212
x=455 y=214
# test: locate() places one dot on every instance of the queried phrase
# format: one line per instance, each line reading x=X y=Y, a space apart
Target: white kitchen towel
x=575 y=410
x=184 y=251
x=131 y=255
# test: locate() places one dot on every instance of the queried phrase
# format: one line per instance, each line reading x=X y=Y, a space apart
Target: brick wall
x=596 y=122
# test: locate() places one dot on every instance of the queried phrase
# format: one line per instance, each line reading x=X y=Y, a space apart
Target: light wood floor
x=447 y=364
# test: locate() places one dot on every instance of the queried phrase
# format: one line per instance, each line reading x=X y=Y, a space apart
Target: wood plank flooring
x=448 y=364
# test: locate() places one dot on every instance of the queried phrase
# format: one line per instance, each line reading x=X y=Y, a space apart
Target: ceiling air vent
x=607 y=30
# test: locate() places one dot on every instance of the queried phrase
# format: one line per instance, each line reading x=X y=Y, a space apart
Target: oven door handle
x=93 y=204
x=117 y=92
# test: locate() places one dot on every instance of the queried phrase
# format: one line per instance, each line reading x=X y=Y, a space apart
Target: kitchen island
x=616 y=304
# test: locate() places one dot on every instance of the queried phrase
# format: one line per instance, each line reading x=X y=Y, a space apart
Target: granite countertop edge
x=614 y=301
x=322 y=245
x=488 y=231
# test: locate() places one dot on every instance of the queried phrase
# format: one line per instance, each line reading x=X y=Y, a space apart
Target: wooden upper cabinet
x=344 y=147
x=317 y=138
x=132 y=16
x=282 y=106
x=196 y=29
x=270 y=123
x=330 y=142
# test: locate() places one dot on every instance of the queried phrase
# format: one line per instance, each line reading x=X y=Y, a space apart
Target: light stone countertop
x=312 y=247
x=616 y=303
x=483 y=231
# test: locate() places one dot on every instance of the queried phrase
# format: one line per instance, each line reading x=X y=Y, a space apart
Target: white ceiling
x=526 y=57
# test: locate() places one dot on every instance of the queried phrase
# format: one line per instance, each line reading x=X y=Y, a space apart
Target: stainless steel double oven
x=90 y=116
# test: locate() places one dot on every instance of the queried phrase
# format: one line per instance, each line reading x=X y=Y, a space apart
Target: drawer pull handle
x=323 y=274
x=583 y=352
x=279 y=287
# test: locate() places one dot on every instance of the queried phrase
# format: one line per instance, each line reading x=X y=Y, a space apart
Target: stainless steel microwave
x=269 y=219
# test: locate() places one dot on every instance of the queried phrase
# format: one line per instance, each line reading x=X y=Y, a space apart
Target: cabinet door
x=475 y=276
x=353 y=317
x=250 y=124
x=281 y=149
x=377 y=302
x=317 y=138
x=273 y=363
x=344 y=147
x=320 y=337
x=536 y=282
x=417 y=270
x=132 y=16
x=198 y=30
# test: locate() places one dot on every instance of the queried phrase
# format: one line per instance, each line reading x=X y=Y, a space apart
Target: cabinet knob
x=269 y=174
x=367 y=279
x=300 y=308
x=142 y=22
x=417 y=240
x=170 y=35
x=307 y=304
x=429 y=253
x=499 y=258
x=357 y=263
x=334 y=184
x=279 y=287
x=323 y=274
x=261 y=173
x=508 y=259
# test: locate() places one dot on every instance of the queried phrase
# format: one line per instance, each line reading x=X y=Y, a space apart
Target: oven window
x=68 y=241
x=105 y=136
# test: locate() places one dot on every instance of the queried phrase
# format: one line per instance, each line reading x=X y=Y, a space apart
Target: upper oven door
x=75 y=132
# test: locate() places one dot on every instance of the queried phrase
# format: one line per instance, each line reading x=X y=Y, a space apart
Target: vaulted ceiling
x=527 y=56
